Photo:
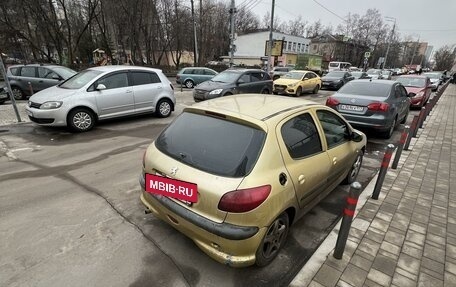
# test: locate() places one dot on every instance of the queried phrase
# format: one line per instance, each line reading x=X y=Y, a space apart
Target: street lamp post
x=195 y=42
x=390 y=38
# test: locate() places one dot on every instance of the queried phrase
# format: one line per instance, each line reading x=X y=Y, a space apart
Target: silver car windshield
x=79 y=80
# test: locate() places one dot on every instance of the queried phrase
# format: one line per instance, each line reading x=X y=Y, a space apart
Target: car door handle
x=159 y=87
x=301 y=179
x=128 y=91
x=334 y=160
x=40 y=81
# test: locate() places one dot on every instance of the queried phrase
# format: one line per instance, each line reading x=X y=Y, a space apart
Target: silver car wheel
x=356 y=167
x=17 y=93
x=82 y=120
x=164 y=108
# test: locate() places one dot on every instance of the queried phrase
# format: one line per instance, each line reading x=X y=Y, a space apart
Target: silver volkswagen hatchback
x=102 y=93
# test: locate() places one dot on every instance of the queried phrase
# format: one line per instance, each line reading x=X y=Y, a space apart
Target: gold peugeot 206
x=235 y=172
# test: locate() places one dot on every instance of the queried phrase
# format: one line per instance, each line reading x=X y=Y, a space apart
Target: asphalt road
x=70 y=213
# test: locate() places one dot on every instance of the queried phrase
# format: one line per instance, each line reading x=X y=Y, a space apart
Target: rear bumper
x=226 y=243
x=377 y=122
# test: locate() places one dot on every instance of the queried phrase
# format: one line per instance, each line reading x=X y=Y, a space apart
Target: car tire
x=315 y=90
x=273 y=240
x=81 y=120
x=2 y=102
x=390 y=131
x=298 y=92
x=164 y=108
x=189 y=84
x=265 y=91
x=354 y=170
x=17 y=93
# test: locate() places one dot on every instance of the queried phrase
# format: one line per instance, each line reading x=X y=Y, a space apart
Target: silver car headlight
x=51 y=105
x=216 y=92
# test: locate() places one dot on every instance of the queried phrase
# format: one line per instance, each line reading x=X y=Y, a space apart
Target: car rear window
x=366 y=88
x=212 y=144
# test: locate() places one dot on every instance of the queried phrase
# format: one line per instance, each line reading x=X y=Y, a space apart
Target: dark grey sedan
x=375 y=104
x=230 y=82
x=335 y=79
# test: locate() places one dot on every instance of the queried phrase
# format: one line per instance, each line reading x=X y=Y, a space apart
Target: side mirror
x=356 y=137
x=101 y=87
x=411 y=95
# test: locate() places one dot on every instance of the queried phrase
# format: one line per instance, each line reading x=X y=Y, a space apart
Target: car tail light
x=331 y=102
x=378 y=106
x=244 y=200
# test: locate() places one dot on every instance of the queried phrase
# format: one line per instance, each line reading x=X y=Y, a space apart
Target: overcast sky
x=433 y=21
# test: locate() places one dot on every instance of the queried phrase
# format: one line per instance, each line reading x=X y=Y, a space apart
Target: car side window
x=144 y=78
x=265 y=76
x=28 y=72
x=114 y=81
x=245 y=78
x=209 y=72
x=188 y=71
x=256 y=77
x=336 y=130
x=301 y=136
x=403 y=91
x=45 y=73
x=14 y=71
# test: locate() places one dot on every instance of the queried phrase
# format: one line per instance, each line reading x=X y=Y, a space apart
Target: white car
x=102 y=93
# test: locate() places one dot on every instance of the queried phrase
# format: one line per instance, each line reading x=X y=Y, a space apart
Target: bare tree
x=445 y=58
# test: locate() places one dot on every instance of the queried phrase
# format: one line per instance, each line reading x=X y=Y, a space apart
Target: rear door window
x=14 y=71
x=144 y=78
x=301 y=136
x=212 y=144
x=28 y=72
x=46 y=73
x=256 y=77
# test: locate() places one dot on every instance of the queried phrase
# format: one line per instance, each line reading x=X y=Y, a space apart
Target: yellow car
x=234 y=173
x=296 y=82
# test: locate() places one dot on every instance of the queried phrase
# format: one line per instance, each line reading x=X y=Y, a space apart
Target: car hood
x=285 y=82
x=415 y=90
x=54 y=93
x=331 y=79
x=211 y=85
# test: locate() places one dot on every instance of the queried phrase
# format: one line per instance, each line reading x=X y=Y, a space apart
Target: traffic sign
x=367 y=54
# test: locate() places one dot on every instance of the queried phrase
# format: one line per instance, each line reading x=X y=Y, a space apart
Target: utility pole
x=232 y=31
x=195 y=43
x=270 y=37
x=389 y=42
x=10 y=92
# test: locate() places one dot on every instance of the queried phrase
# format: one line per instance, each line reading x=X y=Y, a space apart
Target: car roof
x=114 y=68
x=253 y=107
x=384 y=82
x=34 y=65
x=242 y=70
x=412 y=76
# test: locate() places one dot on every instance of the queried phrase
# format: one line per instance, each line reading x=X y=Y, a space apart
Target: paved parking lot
x=71 y=212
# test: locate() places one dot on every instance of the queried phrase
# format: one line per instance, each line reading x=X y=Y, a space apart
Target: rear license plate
x=182 y=190
x=351 y=108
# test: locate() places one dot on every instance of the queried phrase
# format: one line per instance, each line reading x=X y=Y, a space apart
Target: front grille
x=34 y=105
x=280 y=87
x=199 y=94
x=41 y=121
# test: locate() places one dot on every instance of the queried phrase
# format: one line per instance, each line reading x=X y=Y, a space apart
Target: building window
x=299 y=47
x=307 y=48
x=294 y=46
x=284 y=45
x=289 y=46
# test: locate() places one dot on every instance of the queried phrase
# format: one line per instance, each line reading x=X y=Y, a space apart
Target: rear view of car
x=379 y=105
x=234 y=173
